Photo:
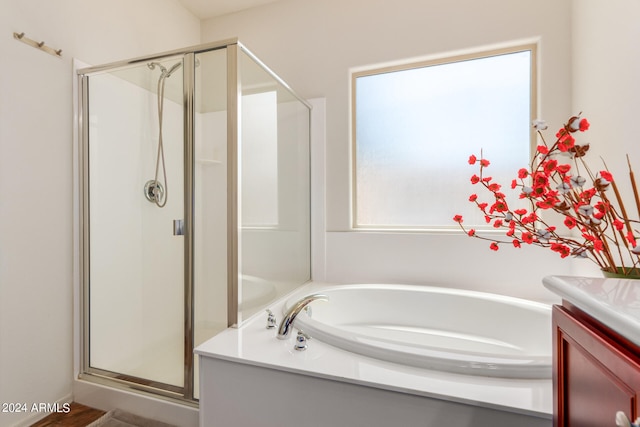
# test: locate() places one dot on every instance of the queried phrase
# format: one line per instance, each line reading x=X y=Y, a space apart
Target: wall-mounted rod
x=37 y=45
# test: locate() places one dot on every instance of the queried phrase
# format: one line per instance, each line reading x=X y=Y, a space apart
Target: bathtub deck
x=254 y=345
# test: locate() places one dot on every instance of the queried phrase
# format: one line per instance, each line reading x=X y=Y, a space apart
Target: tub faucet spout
x=290 y=316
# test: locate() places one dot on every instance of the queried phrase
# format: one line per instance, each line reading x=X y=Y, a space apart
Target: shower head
x=163 y=71
x=174 y=68
x=153 y=65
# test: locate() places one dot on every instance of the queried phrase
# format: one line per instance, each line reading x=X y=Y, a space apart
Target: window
x=414 y=127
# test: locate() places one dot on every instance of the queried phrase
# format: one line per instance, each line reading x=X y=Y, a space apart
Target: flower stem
x=633 y=185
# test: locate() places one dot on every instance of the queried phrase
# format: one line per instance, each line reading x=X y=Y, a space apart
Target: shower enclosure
x=194 y=188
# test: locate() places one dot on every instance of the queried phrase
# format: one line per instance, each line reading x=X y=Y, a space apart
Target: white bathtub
x=248 y=367
x=443 y=329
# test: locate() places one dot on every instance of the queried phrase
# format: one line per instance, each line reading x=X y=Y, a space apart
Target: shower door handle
x=178 y=227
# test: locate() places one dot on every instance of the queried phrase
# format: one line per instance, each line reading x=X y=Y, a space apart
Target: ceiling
x=205 y=9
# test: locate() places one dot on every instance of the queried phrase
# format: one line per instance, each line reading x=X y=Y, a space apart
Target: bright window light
x=415 y=127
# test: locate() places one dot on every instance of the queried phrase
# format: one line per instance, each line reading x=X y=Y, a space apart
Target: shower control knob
x=154 y=191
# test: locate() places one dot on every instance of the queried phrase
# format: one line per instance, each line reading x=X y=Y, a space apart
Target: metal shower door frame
x=233 y=48
x=184 y=394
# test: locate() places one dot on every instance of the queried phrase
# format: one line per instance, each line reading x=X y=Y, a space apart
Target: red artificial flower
x=561 y=133
x=586 y=195
x=486 y=179
x=565 y=140
x=473 y=197
x=514 y=184
x=552 y=194
x=631 y=239
x=523 y=173
x=484 y=163
x=532 y=217
x=619 y=225
x=540 y=179
x=563 y=250
x=527 y=237
x=542 y=149
x=483 y=205
x=606 y=175
x=545 y=204
x=516 y=243
x=497 y=223
x=550 y=200
x=458 y=219
x=471 y=232
x=494 y=246
x=500 y=205
x=510 y=232
x=475 y=179
x=570 y=222
x=494 y=187
x=598 y=246
x=584 y=125
x=549 y=166
x=520 y=212
x=563 y=168
x=472 y=159
x=539 y=191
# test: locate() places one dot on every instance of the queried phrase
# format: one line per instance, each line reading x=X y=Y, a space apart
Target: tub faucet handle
x=271 y=320
x=301 y=342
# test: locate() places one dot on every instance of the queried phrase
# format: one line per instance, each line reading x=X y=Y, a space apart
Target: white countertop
x=255 y=345
x=613 y=302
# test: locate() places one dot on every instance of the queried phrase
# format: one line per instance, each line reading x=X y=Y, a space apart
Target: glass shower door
x=194 y=208
x=136 y=210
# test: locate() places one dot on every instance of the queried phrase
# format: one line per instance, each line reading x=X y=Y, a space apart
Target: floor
x=79 y=416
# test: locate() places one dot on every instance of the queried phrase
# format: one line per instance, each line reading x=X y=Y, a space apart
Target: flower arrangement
x=558 y=179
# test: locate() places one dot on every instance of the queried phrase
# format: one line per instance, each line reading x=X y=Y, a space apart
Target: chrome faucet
x=290 y=316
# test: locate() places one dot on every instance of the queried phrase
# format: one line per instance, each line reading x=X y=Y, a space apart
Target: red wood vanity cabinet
x=596 y=372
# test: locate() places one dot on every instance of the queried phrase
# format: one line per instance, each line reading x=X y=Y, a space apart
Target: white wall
x=605 y=84
x=36 y=254
x=312 y=46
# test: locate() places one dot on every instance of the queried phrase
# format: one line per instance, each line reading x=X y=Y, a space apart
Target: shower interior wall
x=124 y=237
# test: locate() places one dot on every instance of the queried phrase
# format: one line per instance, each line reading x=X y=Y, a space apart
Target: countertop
x=613 y=302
